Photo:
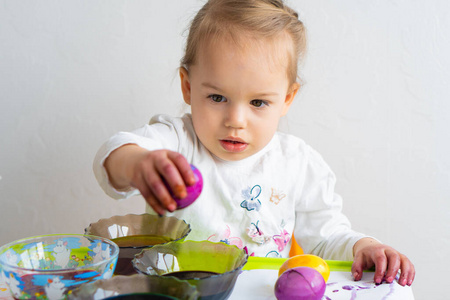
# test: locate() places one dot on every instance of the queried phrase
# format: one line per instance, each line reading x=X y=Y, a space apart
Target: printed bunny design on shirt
x=226 y=238
x=276 y=196
x=256 y=234
x=282 y=240
x=251 y=201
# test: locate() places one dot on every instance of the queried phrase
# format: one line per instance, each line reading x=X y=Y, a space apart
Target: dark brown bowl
x=132 y=233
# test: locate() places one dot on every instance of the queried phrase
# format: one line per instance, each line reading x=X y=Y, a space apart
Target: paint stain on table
x=357 y=288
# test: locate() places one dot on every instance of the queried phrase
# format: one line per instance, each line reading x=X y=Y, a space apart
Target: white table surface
x=259 y=284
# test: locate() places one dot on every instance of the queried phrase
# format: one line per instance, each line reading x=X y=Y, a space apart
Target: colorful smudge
x=356 y=288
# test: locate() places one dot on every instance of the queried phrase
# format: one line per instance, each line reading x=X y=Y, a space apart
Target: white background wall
x=375 y=104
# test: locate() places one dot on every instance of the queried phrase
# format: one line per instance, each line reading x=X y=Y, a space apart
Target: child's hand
x=387 y=261
x=133 y=166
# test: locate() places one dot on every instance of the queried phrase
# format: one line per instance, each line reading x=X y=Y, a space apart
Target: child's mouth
x=233 y=145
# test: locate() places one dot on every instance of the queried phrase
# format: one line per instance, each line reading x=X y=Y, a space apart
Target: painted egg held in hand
x=193 y=191
x=300 y=283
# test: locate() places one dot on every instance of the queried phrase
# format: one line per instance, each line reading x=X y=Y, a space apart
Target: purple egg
x=193 y=191
x=300 y=283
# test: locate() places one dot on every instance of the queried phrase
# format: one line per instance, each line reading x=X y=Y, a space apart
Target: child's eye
x=217 y=98
x=258 y=103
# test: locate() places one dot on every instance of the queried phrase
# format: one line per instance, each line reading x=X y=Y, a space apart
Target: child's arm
x=387 y=261
x=133 y=166
x=329 y=233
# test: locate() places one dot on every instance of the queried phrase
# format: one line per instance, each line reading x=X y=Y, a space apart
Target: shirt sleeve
x=321 y=227
x=162 y=132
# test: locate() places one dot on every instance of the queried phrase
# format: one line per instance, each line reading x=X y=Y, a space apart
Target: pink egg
x=300 y=283
x=193 y=191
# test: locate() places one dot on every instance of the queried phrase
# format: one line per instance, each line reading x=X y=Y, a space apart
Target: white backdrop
x=375 y=104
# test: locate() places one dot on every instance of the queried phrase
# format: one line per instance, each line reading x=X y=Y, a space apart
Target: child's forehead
x=275 y=48
x=226 y=60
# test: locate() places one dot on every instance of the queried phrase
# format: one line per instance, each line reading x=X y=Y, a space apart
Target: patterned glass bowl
x=136 y=286
x=212 y=267
x=133 y=233
x=49 y=266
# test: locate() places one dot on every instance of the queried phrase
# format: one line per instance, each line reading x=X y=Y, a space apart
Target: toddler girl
x=261 y=187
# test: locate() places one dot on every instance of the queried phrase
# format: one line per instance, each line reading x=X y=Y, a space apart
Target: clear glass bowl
x=49 y=266
x=133 y=233
x=212 y=267
x=136 y=286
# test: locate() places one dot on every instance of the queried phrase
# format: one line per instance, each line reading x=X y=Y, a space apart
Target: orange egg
x=306 y=260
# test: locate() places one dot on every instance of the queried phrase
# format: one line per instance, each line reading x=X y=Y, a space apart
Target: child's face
x=238 y=96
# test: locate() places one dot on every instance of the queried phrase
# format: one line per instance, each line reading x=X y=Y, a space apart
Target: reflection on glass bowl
x=212 y=267
x=50 y=266
x=136 y=286
x=132 y=233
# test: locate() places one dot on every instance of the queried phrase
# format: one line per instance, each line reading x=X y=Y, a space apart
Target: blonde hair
x=267 y=19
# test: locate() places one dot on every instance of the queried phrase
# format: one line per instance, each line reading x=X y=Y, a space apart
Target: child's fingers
x=149 y=198
x=183 y=167
x=407 y=272
x=393 y=265
x=357 y=268
x=155 y=205
x=159 y=191
x=170 y=173
x=387 y=263
x=380 y=262
x=152 y=188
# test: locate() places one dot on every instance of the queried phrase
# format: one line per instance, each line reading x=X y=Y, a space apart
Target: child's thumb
x=357 y=268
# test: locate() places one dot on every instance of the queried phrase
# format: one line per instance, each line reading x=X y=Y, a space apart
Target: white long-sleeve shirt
x=258 y=202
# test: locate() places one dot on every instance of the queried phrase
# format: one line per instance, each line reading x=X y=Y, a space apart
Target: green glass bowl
x=212 y=267
x=136 y=286
x=50 y=266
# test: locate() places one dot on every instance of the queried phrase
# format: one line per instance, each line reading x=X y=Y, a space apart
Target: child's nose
x=236 y=117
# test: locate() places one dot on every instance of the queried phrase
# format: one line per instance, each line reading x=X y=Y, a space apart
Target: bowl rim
x=189 y=229
x=3 y=249
x=140 y=254
x=96 y=284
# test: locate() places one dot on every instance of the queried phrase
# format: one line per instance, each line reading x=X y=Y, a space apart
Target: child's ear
x=185 y=85
x=290 y=97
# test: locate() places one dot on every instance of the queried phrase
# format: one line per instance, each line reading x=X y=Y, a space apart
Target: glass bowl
x=212 y=267
x=132 y=233
x=136 y=286
x=49 y=266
